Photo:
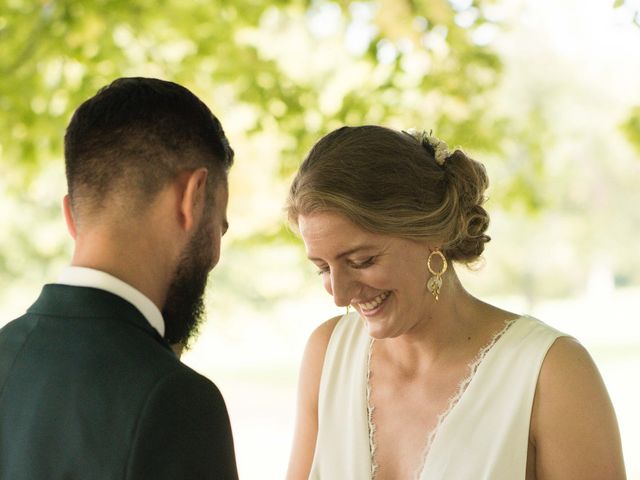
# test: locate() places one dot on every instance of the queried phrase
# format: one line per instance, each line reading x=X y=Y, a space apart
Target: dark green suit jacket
x=89 y=390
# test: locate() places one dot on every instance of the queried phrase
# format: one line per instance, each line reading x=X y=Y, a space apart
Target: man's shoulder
x=14 y=335
x=185 y=383
x=108 y=353
x=148 y=365
x=23 y=322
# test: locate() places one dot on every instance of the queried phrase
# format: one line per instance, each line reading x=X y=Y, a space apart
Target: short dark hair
x=134 y=136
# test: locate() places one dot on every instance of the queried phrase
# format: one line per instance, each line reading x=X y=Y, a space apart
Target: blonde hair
x=388 y=182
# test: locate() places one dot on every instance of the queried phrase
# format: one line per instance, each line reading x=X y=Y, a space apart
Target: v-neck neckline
x=454 y=401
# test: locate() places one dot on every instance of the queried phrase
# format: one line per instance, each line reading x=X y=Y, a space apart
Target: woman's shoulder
x=318 y=343
x=340 y=326
x=534 y=336
x=319 y=338
x=572 y=407
x=328 y=339
x=568 y=363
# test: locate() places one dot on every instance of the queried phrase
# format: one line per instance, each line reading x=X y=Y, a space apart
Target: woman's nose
x=341 y=287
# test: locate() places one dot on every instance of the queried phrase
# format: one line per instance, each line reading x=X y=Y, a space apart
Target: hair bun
x=467 y=182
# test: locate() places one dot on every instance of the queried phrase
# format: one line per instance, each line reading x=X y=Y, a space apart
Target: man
x=89 y=386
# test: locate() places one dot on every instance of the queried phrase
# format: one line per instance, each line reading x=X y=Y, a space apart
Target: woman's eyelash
x=364 y=264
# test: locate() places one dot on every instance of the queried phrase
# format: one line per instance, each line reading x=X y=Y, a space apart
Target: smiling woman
x=424 y=371
x=374 y=273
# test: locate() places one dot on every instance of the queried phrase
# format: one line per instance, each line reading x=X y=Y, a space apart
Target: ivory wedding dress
x=482 y=436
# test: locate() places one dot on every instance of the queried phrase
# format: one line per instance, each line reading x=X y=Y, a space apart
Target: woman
x=424 y=380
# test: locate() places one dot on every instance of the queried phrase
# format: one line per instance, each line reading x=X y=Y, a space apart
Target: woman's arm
x=306 y=430
x=573 y=426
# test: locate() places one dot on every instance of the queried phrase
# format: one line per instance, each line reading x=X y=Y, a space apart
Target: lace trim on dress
x=462 y=387
x=453 y=401
x=370 y=408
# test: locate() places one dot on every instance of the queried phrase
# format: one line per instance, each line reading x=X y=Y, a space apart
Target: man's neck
x=135 y=262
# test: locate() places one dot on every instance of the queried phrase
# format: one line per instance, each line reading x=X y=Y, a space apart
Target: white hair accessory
x=440 y=148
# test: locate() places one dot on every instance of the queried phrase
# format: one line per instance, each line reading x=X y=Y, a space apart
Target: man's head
x=136 y=138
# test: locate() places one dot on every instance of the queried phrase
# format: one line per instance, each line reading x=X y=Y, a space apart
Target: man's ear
x=193 y=197
x=68 y=216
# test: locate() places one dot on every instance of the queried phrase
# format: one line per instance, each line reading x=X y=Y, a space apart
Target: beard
x=184 y=308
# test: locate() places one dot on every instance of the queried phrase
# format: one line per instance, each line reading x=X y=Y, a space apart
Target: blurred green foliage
x=631 y=128
x=396 y=62
x=280 y=74
x=57 y=53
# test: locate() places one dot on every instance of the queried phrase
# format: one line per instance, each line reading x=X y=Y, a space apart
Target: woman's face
x=383 y=277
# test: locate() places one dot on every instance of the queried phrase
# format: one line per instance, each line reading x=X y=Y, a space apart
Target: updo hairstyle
x=388 y=182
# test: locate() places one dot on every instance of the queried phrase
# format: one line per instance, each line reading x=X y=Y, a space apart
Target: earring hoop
x=435 y=282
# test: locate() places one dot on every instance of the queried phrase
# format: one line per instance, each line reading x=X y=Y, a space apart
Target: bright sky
x=591 y=35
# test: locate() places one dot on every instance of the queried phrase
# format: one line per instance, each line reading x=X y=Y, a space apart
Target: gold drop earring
x=435 y=282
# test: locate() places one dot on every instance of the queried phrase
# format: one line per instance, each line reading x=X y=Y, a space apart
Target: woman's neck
x=455 y=327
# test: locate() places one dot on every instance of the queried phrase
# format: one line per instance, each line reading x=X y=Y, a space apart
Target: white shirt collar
x=89 y=277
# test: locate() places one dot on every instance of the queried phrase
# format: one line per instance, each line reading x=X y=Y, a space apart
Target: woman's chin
x=378 y=328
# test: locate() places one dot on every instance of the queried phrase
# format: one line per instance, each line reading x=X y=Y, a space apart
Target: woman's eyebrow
x=346 y=253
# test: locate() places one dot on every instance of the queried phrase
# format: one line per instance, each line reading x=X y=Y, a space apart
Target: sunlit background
x=545 y=92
